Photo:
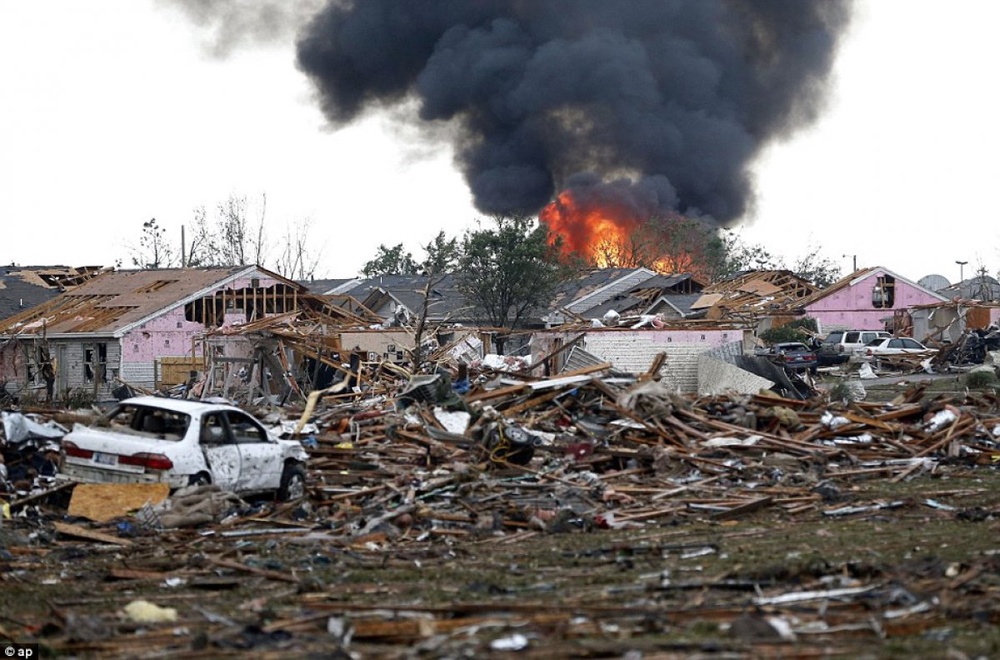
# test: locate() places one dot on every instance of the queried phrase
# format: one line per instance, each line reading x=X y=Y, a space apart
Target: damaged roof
x=446 y=301
x=982 y=287
x=24 y=287
x=114 y=300
x=754 y=293
x=590 y=294
x=599 y=290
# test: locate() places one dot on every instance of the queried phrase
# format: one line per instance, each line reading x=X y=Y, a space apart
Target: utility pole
x=855 y=259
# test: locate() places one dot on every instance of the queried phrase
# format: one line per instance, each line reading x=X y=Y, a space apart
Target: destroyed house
x=756 y=299
x=400 y=299
x=982 y=288
x=129 y=326
x=873 y=298
x=597 y=292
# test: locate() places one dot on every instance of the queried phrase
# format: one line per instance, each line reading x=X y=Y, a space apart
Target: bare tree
x=819 y=269
x=153 y=250
x=240 y=242
x=297 y=260
x=200 y=248
x=231 y=237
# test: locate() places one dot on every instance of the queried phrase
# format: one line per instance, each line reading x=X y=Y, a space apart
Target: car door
x=260 y=457
x=220 y=450
x=895 y=346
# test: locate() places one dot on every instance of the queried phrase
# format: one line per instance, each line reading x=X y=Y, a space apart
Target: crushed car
x=792 y=356
x=181 y=442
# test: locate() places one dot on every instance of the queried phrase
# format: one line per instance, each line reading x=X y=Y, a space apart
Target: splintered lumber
x=136 y=574
x=877 y=422
x=498 y=393
x=39 y=496
x=743 y=509
x=566 y=346
x=253 y=570
x=89 y=534
x=956 y=428
x=631 y=414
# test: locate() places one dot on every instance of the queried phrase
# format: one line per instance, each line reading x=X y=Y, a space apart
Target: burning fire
x=592 y=231
x=611 y=233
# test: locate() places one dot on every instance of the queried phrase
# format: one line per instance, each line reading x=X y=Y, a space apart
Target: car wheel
x=200 y=479
x=293 y=482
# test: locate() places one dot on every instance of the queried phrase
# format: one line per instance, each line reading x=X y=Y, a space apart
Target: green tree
x=390 y=261
x=508 y=271
x=797 y=330
x=442 y=255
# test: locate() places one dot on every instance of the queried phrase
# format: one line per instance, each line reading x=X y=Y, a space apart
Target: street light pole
x=961 y=270
x=855 y=258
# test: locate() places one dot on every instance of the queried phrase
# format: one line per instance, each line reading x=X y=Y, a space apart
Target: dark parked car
x=831 y=351
x=793 y=356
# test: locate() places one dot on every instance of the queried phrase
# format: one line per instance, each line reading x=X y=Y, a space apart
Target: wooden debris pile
x=579 y=448
x=415 y=488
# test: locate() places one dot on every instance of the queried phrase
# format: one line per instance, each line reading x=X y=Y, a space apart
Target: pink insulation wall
x=168 y=335
x=852 y=307
x=171 y=334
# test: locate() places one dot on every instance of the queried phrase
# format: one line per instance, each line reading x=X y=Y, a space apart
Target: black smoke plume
x=675 y=96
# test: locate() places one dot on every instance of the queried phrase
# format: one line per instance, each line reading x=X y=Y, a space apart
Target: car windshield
x=791 y=347
x=876 y=342
x=147 y=421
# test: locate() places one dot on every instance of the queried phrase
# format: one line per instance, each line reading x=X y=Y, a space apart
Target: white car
x=150 y=439
x=887 y=346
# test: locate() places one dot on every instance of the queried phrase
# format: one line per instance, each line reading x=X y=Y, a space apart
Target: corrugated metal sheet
x=578 y=358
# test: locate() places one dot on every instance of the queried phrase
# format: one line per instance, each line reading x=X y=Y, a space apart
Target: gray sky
x=112 y=112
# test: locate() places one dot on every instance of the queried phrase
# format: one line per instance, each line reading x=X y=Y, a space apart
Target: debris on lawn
x=418 y=478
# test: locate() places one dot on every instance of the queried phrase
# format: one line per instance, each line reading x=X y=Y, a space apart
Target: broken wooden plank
x=253 y=570
x=89 y=534
x=743 y=509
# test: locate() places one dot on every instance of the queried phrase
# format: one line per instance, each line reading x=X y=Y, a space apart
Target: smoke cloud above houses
x=666 y=101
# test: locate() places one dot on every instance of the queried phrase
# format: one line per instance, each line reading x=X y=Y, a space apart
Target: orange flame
x=587 y=231
x=609 y=234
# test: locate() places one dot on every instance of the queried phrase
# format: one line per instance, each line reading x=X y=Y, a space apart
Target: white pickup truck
x=181 y=442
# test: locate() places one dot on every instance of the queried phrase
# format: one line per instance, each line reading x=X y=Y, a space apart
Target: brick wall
x=633 y=350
